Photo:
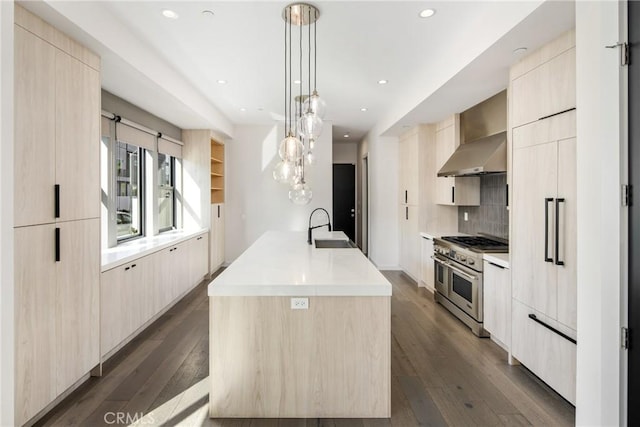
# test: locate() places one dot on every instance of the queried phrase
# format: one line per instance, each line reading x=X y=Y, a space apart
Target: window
x=166 y=195
x=129 y=173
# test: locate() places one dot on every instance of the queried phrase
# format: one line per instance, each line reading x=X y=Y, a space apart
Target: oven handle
x=457 y=270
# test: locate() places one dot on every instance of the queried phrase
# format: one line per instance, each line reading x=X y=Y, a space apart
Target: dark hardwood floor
x=441 y=375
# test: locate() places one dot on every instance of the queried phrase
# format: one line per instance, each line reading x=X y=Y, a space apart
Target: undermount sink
x=334 y=244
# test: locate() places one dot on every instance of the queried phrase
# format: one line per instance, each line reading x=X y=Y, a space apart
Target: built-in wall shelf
x=217 y=172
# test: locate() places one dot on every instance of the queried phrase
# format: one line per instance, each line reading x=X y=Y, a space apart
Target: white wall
x=345 y=152
x=254 y=202
x=601 y=220
x=383 y=241
x=6 y=214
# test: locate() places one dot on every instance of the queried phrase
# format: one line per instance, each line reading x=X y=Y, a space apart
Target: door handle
x=57 y=244
x=546 y=229
x=406 y=212
x=453 y=194
x=405 y=196
x=56 y=192
x=558 y=201
x=218 y=211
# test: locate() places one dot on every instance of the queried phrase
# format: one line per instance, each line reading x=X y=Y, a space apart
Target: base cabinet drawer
x=546 y=353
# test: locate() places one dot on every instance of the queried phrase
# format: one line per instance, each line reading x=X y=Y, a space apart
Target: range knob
x=462 y=258
x=471 y=261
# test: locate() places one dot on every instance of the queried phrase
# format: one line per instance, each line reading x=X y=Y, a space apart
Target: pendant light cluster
x=303 y=122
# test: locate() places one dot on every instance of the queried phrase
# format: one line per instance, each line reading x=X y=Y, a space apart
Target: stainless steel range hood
x=479 y=157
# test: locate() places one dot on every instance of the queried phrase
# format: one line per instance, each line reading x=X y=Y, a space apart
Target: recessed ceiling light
x=427 y=13
x=383 y=82
x=519 y=51
x=363 y=109
x=208 y=13
x=222 y=82
x=243 y=109
x=346 y=135
x=297 y=82
x=168 y=13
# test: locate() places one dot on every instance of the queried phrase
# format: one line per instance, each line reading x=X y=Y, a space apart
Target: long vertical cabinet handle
x=558 y=201
x=546 y=229
x=218 y=211
x=57 y=244
x=405 y=196
x=506 y=190
x=56 y=192
x=453 y=194
x=406 y=212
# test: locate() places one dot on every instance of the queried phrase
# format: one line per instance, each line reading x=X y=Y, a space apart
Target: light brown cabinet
x=57 y=319
x=453 y=191
x=216 y=251
x=56 y=213
x=496 y=282
x=543 y=213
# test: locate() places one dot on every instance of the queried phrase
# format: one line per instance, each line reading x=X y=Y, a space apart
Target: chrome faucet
x=328 y=224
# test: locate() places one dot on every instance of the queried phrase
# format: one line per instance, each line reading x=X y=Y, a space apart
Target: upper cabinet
x=409 y=167
x=57 y=105
x=544 y=83
x=459 y=191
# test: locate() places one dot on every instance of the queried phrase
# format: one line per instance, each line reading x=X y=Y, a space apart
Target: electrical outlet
x=299 y=303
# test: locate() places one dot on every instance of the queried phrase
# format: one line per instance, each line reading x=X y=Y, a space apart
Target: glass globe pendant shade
x=315 y=105
x=297 y=174
x=312 y=144
x=310 y=125
x=283 y=172
x=291 y=149
x=300 y=193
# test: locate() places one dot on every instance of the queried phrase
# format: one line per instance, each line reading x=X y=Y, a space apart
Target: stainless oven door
x=465 y=290
x=441 y=275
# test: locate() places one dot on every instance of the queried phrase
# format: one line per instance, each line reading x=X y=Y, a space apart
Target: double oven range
x=458 y=275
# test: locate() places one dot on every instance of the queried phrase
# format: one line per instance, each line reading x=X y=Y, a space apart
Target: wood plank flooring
x=441 y=375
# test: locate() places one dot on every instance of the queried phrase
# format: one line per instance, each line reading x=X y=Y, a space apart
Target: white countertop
x=438 y=234
x=130 y=251
x=282 y=263
x=499 y=259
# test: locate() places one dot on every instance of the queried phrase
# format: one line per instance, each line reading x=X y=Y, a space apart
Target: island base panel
x=332 y=360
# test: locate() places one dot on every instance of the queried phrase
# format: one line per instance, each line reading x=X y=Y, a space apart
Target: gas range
x=468 y=250
x=458 y=275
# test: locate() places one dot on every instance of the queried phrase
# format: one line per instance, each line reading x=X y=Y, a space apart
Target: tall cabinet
x=543 y=215
x=203 y=162
x=409 y=203
x=56 y=211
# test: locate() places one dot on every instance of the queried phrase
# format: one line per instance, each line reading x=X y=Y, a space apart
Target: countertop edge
x=300 y=291
x=148 y=250
x=499 y=259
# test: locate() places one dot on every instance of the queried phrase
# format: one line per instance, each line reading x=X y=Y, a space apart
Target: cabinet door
x=198 y=258
x=77 y=301
x=413 y=239
x=34 y=109
x=567 y=218
x=445 y=146
x=427 y=263
x=497 y=302
x=534 y=180
x=77 y=138
x=217 y=236
x=547 y=89
x=115 y=308
x=409 y=170
x=35 y=295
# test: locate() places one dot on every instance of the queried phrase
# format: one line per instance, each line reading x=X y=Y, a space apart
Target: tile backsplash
x=492 y=216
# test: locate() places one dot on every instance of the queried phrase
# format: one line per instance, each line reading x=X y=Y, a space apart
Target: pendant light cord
x=285 y=78
x=315 y=56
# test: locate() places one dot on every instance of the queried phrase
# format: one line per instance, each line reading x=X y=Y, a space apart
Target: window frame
x=141 y=193
x=172 y=168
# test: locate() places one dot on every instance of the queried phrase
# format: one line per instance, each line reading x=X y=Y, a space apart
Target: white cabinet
x=134 y=293
x=497 y=302
x=410 y=241
x=57 y=306
x=56 y=213
x=409 y=167
x=460 y=191
x=216 y=241
x=543 y=214
x=427 y=262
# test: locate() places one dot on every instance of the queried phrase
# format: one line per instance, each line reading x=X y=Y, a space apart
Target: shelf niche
x=217 y=172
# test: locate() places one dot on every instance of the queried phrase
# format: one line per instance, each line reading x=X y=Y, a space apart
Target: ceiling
x=434 y=66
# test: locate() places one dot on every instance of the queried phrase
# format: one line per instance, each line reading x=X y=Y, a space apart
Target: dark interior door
x=634 y=216
x=344 y=199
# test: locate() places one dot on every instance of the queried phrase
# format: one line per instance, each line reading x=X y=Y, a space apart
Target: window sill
x=138 y=248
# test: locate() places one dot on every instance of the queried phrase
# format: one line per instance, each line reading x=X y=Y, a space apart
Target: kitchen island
x=300 y=332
